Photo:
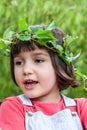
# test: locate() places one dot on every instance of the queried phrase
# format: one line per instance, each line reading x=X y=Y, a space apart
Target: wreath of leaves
x=43 y=36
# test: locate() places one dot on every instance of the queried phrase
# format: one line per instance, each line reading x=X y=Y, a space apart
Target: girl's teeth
x=30 y=82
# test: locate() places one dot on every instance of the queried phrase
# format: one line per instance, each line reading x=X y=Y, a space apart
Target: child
x=41 y=69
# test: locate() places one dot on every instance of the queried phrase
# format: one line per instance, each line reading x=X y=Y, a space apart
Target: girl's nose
x=28 y=69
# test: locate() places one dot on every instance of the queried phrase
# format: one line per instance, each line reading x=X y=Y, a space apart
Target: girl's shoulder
x=82 y=110
x=13 y=101
x=81 y=106
x=81 y=102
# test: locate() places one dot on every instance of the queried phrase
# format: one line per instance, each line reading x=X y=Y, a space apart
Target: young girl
x=41 y=71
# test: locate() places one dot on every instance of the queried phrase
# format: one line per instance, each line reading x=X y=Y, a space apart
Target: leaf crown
x=43 y=37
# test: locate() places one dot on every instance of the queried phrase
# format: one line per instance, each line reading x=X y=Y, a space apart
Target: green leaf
x=68 y=40
x=58 y=48
x=2 y=45
x=35 y=29
x=80 y=74
x=8 y=34
x=23 y=25
x=5 y=42
x=45 y=34
x=75 y=57
x=24 y=37
x=52 y=25
x=71 y=58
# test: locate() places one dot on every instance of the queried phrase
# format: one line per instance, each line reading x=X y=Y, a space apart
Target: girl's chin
x=30 y=86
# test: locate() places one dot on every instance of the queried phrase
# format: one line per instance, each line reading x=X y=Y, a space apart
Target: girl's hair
x=64 y=72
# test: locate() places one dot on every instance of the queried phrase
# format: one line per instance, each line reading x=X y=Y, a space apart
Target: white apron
x=63 y=120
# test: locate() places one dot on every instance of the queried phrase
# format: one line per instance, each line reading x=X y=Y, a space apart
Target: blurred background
x=71 y=16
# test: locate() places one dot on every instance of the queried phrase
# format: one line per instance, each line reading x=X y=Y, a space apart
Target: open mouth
x=30 y=83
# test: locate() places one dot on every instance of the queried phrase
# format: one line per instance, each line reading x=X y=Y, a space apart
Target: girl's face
x=35 y=75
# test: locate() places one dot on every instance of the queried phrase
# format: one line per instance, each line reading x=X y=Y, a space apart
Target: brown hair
x=64 y=72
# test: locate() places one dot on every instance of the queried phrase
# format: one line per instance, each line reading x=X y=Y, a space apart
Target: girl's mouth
x=30 y=83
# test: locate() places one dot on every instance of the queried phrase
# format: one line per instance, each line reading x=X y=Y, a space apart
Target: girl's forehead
x=23 y=47
x=39 y=51
x=36 y=52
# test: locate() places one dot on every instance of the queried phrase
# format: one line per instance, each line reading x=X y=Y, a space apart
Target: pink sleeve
x=82 y=110
x=12 y=115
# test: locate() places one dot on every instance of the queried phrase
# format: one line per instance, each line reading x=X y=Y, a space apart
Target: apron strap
x=68 y=101
x=25 y=100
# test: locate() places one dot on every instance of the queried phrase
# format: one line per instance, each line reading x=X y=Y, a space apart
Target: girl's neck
x=55 y=99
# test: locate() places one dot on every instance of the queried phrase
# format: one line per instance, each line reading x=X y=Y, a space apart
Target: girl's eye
x=39 y=60
x=18 y=62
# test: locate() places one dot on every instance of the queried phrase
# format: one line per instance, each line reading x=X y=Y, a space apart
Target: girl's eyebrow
x=40 y=53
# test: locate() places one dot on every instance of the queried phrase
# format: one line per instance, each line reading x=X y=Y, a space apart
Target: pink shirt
x=12 y=112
